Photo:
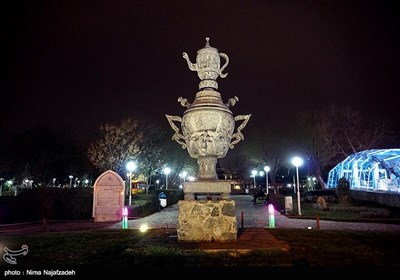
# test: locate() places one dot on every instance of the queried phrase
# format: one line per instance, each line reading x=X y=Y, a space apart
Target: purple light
x=271 y=209
x=125 y=211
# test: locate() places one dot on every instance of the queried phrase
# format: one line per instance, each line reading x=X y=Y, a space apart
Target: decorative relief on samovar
x=207 y=125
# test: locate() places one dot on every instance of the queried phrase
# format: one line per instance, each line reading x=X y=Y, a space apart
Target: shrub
x=376 y=213
x=47 y=202
x=144 y=205
x=321 y=204
x=343 y=191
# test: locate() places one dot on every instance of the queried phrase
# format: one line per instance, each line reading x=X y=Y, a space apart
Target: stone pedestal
x=206 y=221
x=211 y=187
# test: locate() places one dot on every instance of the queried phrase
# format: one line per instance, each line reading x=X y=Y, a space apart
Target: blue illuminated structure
x=372 y=170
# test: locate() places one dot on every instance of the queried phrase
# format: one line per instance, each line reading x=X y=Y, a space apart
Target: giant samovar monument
x=207 y=132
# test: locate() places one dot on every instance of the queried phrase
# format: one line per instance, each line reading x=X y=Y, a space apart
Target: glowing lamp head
x=297 y=161
x=167 y=170
x=131 y=166
x=254 y=173
x=267 y=168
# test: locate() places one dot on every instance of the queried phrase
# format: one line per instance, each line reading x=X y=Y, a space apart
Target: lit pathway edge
x=256 y=216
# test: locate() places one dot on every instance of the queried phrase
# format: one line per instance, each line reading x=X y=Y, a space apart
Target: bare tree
x=116 y=144
x=268 y=147
x=318 y=135
x=352 y=132
x=334 y=133
x=236 y=164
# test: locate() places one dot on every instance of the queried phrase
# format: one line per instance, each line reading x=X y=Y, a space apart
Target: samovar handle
x=236 y=137
x=223 y=67
x=177 y=135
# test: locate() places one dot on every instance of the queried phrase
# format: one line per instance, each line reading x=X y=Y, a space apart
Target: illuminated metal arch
x=372 y=170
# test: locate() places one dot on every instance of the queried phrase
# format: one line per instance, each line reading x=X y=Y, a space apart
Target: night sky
x=78 y=64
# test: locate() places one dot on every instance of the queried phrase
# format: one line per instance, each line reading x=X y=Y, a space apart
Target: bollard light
x=271 y=216
x=125 y=217
x=143 y=228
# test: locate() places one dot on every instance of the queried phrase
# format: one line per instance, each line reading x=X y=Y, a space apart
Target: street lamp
x=130 y=166
x=298 y=161
x=167 y=170
x=1 y=186
x=157 y=181
x=254 y=173
x=54 y=182
x=70 y=181
x=86 y=182
x=184 y=174
x=266 y=169
x=261 y=173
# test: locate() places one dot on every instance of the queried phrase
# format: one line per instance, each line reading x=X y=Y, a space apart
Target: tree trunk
x=321 y=182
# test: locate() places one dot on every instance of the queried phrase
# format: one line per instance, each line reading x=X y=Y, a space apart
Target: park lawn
x=115 y=248
x=356 y=213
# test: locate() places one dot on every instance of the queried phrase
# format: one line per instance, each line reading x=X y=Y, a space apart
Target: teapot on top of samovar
x=207 y=65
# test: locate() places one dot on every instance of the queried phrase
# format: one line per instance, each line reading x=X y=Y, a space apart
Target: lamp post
x=167 y=170
x=184 y=174
x=54 y=182
x=1 y=186
x=298 y=161
x=266 y=169
x=261 y=173
x=130 y=166
x=157 y=181
x=254 y=173
x=70 y=181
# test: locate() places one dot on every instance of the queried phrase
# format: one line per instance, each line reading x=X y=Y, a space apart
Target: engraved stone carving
x=208 y=65
x=207 y=125
x=108 y=197
x=207 y=130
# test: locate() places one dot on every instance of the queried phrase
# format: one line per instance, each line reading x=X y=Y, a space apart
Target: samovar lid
x=207 y=47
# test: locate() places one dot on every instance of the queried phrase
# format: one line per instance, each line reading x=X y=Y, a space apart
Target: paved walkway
x=256 y=216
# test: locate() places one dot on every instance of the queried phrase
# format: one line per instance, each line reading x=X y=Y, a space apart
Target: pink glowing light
x=271 y=209
x=125 y=211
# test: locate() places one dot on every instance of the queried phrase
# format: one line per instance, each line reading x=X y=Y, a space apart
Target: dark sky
x=79 y=64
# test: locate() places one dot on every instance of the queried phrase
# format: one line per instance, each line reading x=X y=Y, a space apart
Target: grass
x=108 y=248
x=355 y=212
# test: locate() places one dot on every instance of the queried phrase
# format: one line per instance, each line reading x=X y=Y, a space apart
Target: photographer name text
x=43 y=272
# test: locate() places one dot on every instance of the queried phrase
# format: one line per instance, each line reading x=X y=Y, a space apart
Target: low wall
x=390 y=199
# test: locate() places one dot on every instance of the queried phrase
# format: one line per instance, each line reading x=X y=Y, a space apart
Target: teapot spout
x=192 y=66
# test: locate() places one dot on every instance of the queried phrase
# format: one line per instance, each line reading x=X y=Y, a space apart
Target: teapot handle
x=236 y=137
x=177 y=136
x=223 y=67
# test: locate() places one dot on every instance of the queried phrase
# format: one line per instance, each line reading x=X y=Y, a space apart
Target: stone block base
x=207 y=221
x=211 y=187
